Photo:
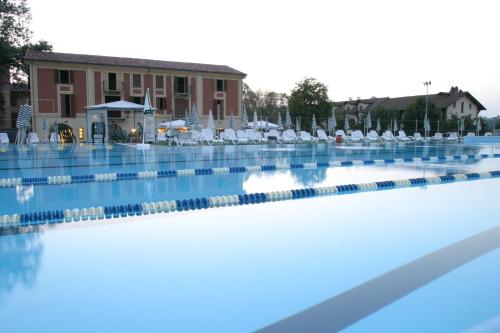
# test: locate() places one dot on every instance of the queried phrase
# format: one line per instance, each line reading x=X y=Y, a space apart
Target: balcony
x=112 y=87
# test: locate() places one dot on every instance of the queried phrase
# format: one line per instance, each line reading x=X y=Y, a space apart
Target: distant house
x=455 y=102
x=63 y=84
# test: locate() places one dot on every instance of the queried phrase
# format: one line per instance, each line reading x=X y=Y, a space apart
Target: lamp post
x=426 y=84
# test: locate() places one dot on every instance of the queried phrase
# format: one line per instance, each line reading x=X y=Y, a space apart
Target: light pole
x=426 y=84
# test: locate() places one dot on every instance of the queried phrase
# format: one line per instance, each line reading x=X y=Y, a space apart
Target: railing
x=112 y=87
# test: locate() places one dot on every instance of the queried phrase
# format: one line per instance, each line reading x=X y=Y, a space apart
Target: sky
x=358 y=48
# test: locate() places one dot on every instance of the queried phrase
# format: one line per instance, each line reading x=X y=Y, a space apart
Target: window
x=137 y=100
x=67 y=105
x=160 y=103
x=470 y=106
x=159 y=81
x=13 y=99
x=220 y=85
x=111 y=81
x=63 y=76
x=136 y=81
x=180 y=85
x=462 y=108
x=454 y=104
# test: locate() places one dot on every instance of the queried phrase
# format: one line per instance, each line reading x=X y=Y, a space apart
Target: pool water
x=244 y=268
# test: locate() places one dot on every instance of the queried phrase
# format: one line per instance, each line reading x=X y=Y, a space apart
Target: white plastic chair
x=242 y=136
x=162 y=137
x=357 y=136
x=4 y=139
x=229 y=135
x=388 y=136
x=33 y=138
x=402 y=136
x=305 y=136
x=289 y=136
x=373 y=136
x=322 y=135
x=471 y=134
x=453 y=137
x=185 y=138
x=207 y=136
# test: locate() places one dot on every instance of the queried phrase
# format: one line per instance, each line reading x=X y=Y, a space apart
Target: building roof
x=441 y=100
x=34 y=55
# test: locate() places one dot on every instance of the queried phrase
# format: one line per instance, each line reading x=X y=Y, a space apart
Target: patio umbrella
x=427 y=126
x=232 y=123
x=210 y=122
x=330 y=125
x=280 y=123
x=369 y=121
x=23 y=122
x=438 y=126
x=314 y=126
x=195 y=119
x=255 y=120
x=288 y=120
x=478 y=126
x=334 y=121
x=378 y=125
x=297 y=124
x=462 y=126
x=148 y=110
x=267 y=125
x=395 y=126
x=346 y=123
x=244 y=118
x=45 y=127
x=187 y=119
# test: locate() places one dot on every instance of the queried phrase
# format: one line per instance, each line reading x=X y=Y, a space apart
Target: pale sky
x=357 y=48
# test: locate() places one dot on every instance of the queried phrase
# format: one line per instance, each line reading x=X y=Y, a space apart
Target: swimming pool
x=249 y=267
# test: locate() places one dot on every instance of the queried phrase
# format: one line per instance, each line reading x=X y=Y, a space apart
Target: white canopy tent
x=174 y=124
x=262 y=124
x=99 y=114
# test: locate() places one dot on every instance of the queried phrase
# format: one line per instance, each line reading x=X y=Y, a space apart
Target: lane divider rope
x=108 y=212
x=144 y=175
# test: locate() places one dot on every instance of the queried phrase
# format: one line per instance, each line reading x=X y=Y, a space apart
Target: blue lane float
x=155 y=174
x=12 y=222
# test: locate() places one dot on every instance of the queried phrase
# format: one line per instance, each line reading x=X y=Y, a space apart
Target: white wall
x=456 y=108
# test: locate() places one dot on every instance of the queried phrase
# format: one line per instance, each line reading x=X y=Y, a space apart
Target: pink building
x=63 y=84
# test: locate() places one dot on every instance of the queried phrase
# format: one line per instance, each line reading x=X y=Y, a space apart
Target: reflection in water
x=20 y=258
x=24 y=193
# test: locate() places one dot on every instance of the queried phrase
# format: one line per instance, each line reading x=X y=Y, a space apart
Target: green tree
x=416 y=113
x=386 y=117
x=15 y=36
x=307 y=98
x=267 y=104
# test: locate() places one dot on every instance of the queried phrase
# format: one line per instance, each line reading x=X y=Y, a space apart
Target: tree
x=416 y=111
x=267 y=104
x=307 y=98
x=15 y=36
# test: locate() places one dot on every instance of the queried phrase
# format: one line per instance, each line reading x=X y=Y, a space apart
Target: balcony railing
x=112 y=87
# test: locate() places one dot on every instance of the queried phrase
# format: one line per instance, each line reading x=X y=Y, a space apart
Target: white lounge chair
x=372 y=136
x=419 y=138
x=207 y=136
x=388 y=136
x=273 y=134
x=322 y=136
x=471 y=134
x=341 y=133
x=438 y=137
x=33 y=138
x=402 y=137
x=196 y=136
x=253 y=136
x=229 y=135
x=357 y=136
x=305 y=137
x=185 y=138
x=453 y=137
x=488 y=134
x=4 y=139
x=289 y=136
x=241 y=136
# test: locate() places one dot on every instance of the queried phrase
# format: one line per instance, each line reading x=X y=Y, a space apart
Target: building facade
x=455 y=102
x=63 y=85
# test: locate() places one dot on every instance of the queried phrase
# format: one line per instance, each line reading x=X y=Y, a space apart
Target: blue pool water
x=240 y=269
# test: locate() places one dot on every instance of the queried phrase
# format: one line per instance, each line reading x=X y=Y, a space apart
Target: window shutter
x=56 y=76
x=70 y=73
